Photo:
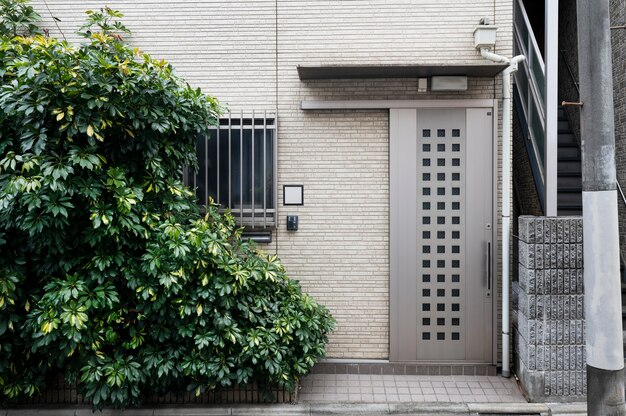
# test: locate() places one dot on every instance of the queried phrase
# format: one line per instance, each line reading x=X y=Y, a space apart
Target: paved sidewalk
x=365 y=395
x=365 y=388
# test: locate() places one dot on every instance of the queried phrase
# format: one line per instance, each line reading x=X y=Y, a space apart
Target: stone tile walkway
x=365 y=388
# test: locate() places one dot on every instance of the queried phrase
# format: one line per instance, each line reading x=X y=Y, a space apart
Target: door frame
x=397 y=182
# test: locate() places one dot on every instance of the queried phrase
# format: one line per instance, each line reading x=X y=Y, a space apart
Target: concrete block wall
x=548 y=309
x=246 y=54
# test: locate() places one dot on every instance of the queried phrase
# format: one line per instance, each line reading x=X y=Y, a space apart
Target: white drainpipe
x=506 y=195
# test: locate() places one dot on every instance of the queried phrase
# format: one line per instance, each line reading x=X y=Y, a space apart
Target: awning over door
x=313 y=72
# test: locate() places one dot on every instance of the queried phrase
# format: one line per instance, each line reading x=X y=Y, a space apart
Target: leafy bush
x=108 y=271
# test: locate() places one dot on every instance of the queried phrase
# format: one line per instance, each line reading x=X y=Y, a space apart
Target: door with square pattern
x=441 y=248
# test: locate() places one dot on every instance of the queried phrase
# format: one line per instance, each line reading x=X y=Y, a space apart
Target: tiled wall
x=246 y=53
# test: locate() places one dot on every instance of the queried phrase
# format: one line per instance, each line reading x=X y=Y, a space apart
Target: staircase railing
x=530 y=81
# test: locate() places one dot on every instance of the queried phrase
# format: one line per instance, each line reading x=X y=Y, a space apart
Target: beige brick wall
x=246 y=53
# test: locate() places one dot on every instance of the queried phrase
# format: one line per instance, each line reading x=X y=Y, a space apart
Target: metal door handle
x=489 y=265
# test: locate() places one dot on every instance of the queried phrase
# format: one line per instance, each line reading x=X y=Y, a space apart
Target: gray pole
x=603 y=306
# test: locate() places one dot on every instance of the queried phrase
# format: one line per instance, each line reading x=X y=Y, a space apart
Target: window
x=237 y=168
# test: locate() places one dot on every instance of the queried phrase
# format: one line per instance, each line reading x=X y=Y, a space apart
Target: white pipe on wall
x=506 y=195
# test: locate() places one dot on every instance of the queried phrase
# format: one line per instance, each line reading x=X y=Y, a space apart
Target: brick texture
x=246 y=53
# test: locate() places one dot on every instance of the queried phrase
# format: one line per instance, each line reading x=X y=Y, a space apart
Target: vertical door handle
x=488 y=256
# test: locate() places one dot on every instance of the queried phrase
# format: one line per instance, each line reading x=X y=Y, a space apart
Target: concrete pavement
x=365 y=395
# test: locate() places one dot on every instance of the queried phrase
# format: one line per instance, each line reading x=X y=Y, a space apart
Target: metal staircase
x=569 y=180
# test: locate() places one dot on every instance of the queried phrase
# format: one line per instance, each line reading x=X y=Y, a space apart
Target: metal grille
x=237 y=168
x=441 y=219
x=60 y=393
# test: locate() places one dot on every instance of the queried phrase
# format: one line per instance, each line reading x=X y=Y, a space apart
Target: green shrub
x=108 y=271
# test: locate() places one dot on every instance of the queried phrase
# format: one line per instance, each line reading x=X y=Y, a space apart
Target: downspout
x=506 y=195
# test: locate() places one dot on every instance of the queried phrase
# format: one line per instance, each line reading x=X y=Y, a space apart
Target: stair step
x=563 y=126
x=571 y=181
x=570 y=190
x=569 y=167
x=569 y=212
x=568 y=152
x=571 y=199
x=568 y=159
x=567 y=138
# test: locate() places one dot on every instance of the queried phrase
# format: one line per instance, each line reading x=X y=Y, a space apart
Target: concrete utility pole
x=603 y=306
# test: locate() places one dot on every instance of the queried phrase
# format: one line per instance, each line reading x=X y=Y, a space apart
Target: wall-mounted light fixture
x=448 y=83
x=293 y=195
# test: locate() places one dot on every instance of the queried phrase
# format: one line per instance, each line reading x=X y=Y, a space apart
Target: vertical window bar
x=241 y=167
x=195 y=178
x=217 y=186
x=252 y=158
x=275 y=167
x=264 y=169
x=230 y=179
x=206 y=170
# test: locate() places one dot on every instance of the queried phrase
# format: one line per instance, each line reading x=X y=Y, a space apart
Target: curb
x=321 y=409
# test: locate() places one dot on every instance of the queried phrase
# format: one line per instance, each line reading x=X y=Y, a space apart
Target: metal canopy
x=314 y=72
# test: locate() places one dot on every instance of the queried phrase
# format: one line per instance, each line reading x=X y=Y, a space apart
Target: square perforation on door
x=442 y=174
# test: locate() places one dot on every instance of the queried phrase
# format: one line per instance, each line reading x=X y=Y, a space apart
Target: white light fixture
x=448 y=83
x=293 y=195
